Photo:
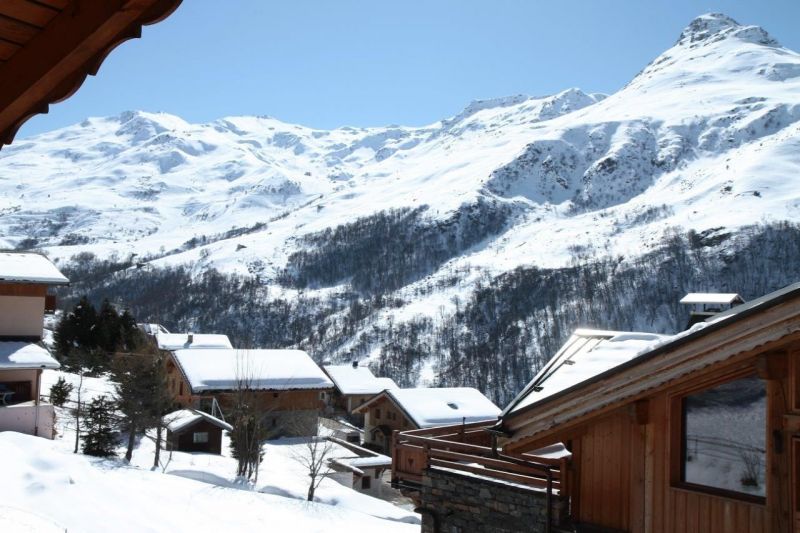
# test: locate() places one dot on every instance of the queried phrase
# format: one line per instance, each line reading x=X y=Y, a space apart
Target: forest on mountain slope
x=505 y=327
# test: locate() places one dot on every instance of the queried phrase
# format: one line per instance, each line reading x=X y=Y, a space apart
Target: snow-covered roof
x=357 y=380
x=180 y=341
x=386 y=383
x=19 y=355
x=178 y=420
x=29 y=268
x=586 y=354
x=427 y=407
x=224 y=368
x=152 y=329
x=726 y=298
x=355 y=464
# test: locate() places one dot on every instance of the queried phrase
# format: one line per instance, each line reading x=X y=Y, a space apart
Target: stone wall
x=453 y=502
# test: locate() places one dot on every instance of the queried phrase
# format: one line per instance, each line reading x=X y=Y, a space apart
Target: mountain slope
x=705 y=138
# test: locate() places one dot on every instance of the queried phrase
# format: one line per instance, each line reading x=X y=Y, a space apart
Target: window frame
x=677 y=437
x=196 y=433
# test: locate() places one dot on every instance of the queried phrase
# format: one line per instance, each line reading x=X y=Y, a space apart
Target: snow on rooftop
x=180 y=341
x=182 y=418
x=25 y=355
x=443 y=406
x=153 y=329
x=387 y=383
x=27 y=267
x=587 y=353
x=224 y=368
x=357 y=380
x=711 y=298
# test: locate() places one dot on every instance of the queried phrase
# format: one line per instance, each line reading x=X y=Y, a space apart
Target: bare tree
x=247 y=419
x=315 y=456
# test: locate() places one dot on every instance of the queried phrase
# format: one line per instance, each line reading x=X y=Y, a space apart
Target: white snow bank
x=82 y=494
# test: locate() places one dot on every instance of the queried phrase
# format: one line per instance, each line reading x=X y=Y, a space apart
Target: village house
x=363 y=471
x=289 y=387
x=24 y=282
x=405 y=409
x=353 y=386
x=698 y=431
x=190 y=430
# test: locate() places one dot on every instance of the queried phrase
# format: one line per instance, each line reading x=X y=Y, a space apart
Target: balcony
x=467 y=451
x=29 y=418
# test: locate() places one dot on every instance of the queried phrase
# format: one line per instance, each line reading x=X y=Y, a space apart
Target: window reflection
x=724 y=437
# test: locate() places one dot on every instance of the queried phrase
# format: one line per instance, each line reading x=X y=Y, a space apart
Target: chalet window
x=724 y=438
x=377 y=414
x=365 y=482
x=181 y=393
x=200 y=437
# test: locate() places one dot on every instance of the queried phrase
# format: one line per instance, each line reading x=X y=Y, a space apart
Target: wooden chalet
x=362 y=471
x=704 y=305
x=353 y=385
x=24 y=282
x=699 y=431
x=406 y=409
x=287 y=385
x=190 y=430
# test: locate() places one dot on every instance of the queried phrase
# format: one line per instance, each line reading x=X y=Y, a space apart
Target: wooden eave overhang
x=746 y=328
x=49 y=47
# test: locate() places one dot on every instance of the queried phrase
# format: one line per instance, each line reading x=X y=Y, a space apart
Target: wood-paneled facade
x=382 y=416
x=627 y=430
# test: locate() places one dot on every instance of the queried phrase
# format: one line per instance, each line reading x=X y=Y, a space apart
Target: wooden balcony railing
x=469 y=448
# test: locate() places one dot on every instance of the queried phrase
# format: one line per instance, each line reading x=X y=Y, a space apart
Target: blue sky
x=326 y=63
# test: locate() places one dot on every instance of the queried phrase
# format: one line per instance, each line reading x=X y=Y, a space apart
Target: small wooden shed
x=189 y=430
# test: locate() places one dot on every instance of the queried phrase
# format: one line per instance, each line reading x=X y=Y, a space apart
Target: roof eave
x=722 y=320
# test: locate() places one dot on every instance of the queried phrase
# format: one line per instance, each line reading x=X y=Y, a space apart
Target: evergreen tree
x=59 y=392
x=99 y=436
x=141 y=393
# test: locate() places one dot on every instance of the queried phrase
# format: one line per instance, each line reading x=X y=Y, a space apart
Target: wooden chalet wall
x=384 y=413
x=183 y=440
x=626 y=466
x=22 y=306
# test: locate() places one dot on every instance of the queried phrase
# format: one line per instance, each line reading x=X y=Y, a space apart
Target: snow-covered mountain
x=706 y=136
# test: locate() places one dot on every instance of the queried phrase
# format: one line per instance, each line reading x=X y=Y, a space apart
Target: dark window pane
x=724 y=438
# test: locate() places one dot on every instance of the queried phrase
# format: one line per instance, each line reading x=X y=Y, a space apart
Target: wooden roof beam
x=56 y=61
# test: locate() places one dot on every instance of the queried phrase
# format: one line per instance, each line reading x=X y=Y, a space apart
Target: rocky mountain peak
x=713 y=27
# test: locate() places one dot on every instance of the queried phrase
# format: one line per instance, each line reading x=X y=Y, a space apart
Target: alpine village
x=572 y=313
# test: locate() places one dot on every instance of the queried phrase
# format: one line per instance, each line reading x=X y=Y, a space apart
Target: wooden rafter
x=47 y=49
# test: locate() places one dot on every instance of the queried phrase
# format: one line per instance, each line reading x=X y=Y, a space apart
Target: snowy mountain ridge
x=706 y=137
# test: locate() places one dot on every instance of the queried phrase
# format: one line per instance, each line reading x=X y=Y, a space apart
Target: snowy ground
x=47 y=486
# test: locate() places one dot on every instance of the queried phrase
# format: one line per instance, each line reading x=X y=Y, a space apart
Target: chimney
x=355 y=364
x=189 y=338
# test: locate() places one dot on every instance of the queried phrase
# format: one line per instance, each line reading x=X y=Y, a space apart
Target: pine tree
x=141 y=393
x=99 y=438
x=60 y=391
